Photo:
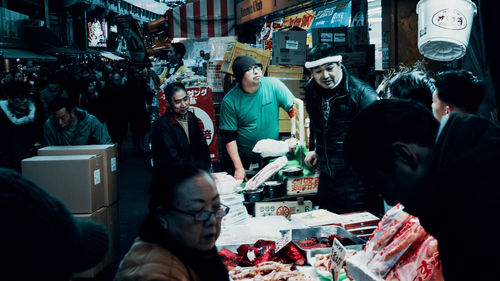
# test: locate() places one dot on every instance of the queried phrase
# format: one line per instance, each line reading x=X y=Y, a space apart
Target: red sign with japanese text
x=202 y=105
x=302 y=185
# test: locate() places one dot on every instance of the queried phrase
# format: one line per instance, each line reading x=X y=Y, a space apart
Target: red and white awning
x=203 y=19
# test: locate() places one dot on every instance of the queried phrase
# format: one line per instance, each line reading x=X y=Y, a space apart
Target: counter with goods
x=282 y=241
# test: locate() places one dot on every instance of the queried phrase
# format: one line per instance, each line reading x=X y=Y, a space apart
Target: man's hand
x=312 y=159
x=240 y=174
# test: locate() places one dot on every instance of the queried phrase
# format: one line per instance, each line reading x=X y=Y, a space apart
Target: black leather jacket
x=327 y=138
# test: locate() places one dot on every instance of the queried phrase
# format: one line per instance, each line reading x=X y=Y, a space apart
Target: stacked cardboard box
x=75 y=179
x=90 y=193
x=289 y=46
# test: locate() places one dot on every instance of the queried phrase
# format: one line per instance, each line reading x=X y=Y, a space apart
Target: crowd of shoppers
x=73 y=103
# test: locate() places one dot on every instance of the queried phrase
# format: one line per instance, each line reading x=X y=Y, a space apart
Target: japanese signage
x=214 y=75
x=337 y=257
x=302 y=20
x=335 y=15
x=251 y=9
x=283 y=208
x=302 y=185
x=202 y=105
x=97 y=33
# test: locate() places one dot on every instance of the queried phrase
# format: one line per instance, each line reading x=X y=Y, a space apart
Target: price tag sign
x=337 y=257
x=284 y=240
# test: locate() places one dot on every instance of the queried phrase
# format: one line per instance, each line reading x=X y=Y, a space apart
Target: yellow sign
x=251 y=9
x=302 y=20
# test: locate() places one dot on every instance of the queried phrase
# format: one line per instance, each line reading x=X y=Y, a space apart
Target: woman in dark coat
x=177 y=136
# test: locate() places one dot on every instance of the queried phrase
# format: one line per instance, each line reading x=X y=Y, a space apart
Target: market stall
x=321 y=245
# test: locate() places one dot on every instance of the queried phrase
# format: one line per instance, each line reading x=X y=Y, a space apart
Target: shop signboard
x=214 y=75
x=303 y=20
x=202 y=105
x=334 y=15
x=247 y=10
x=97 y=33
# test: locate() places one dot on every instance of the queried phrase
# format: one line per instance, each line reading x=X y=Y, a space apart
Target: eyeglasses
x=254 y=67
x=203 y=216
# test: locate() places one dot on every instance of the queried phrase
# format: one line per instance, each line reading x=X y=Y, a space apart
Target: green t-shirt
x=255 y=116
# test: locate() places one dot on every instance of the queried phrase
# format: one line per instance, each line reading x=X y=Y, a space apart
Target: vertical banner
x=202 y=105
x=215 y=80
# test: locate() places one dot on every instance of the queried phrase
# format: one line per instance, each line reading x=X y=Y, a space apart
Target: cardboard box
x=296 y=86
x=336 y=36
x=302 y=185
x=359 y=220
x=75 y=179
x=286 y=71
x=235 y=48
x=282 y=208
x=99 y=216
x=289 y=46
x=109 y=164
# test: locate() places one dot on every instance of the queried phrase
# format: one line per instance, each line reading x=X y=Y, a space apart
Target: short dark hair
x=179 y=48
x=164 y=185
x=60 y=103
x=415 y=85
x=461 y=89
x=368 y=144
x=171 y=89
x=321 y=51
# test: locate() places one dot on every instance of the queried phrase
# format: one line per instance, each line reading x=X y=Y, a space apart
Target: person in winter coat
x=69 y=125
x=177 y=237
x=445 y=174
x=21 y=125
x=333 y=97
x=177 y=137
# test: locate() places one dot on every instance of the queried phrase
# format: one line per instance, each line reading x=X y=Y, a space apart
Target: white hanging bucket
x=444 y=28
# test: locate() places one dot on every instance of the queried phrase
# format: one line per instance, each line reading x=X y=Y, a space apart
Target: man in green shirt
x=250 y=112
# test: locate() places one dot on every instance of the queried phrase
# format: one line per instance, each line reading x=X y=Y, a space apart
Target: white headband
x=312 y=64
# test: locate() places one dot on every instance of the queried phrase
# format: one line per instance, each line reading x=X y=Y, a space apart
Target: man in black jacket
x=445 y=174
x=333 y=98
x=177 y=136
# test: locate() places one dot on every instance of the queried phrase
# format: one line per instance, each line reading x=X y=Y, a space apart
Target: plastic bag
x=384 y=260
x=420 y=264
x=271 y=148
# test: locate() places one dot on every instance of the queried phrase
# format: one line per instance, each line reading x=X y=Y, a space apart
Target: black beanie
x=241 y=65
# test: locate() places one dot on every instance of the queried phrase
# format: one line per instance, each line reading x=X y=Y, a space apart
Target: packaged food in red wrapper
x=399 y=249
x=385 y=259
x=387 y=228
x=420 y=265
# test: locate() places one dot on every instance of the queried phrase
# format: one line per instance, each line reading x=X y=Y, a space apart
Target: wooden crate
x=235 y=48
x=286 y=71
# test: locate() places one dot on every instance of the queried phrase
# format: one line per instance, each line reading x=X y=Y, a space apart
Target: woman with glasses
x=177 y=238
